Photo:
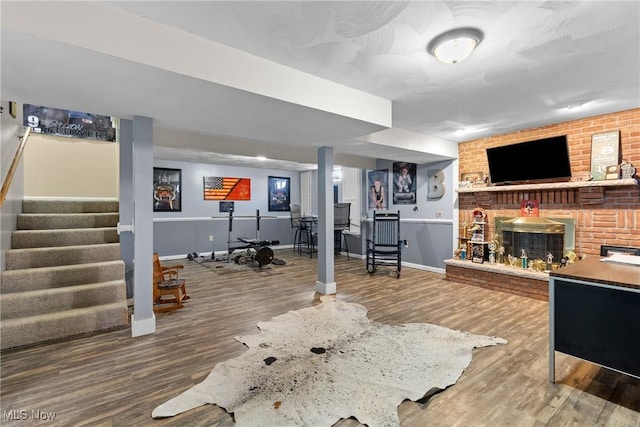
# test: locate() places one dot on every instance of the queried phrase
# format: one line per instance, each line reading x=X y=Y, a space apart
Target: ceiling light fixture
x=575 y=105
x=455 y=45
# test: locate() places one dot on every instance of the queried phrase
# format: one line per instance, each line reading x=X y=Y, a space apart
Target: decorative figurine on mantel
x=524 y=259
x=627 y=170
x=492 y=252
x=549 y=262
x=512 y=260
x=501 y=255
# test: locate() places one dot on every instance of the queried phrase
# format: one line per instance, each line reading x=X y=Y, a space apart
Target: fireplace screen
x=536 y=236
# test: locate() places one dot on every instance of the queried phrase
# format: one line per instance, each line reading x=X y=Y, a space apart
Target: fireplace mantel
x=582 y=193
x=551 y=186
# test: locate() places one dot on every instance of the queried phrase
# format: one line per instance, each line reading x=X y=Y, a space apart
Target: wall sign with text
x=605 y=152
x=75 y=124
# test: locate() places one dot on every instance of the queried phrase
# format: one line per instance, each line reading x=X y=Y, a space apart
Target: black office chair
x=385 y=246
x=341 y=223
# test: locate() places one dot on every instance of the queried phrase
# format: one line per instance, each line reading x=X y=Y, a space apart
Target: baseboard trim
x=424 y=267
x=143 y=327
x=326 y=288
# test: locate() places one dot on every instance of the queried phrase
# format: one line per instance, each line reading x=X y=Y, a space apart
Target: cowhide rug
x=313 y=366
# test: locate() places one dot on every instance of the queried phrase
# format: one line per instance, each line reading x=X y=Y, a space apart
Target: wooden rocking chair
x=166 y=283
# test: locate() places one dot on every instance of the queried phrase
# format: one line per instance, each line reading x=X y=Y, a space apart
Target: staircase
x=64 y=276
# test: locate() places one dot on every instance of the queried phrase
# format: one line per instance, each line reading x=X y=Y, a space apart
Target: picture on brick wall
x=378 y=188
x=404 y=183
x=605 y=152
x=529 y=208
x=223 y=188
x=166 y=190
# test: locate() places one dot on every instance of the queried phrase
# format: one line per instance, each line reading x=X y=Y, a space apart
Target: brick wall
x=604 y=215
x=517 y=285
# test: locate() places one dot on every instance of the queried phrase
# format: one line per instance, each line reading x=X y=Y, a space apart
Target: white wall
x=57 y=166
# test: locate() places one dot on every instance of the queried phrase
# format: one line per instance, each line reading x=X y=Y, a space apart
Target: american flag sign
x=222 y=188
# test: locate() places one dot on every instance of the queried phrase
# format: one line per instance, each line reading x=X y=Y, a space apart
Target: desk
x=594 y=314
x=307 y=226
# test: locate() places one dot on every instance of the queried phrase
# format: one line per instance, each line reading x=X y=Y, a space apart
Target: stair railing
x=14 y=165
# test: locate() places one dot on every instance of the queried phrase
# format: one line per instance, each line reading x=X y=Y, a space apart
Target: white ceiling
x=351 y=75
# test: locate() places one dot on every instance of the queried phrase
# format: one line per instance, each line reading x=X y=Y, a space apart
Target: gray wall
x=429 y=236
x=181 y=233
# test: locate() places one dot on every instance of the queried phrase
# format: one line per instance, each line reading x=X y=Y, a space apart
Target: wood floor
x=115 y=380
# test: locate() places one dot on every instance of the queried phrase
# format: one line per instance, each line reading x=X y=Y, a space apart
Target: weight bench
x=255 y=250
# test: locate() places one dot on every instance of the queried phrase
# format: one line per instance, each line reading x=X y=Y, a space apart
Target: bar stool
x=296 y=224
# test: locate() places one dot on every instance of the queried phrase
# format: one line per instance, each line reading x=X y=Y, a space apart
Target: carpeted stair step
x=34 y=303
x=17 y=259
x=69 y=206
x=21 y=239
x=52 y=326
x=42 y=221
x=33 y=279
x=63 y=275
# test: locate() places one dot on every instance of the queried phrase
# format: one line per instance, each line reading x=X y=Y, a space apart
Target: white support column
x=125 y=222
x=325 y=283
x=143 y=320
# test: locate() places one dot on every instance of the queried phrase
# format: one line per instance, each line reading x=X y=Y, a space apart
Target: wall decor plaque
x=224 y=188
x=613 y=172
x=605 y=151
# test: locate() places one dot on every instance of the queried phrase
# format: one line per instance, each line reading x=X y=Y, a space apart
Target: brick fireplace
x=605 y=213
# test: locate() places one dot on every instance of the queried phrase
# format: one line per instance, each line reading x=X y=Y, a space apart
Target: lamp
x=455 y=45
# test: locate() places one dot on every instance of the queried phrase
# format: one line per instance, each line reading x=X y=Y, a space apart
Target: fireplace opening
x=537 y=237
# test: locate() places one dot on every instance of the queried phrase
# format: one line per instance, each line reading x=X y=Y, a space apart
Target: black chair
x=295 y=212
x=385 y=246
x=341 y=223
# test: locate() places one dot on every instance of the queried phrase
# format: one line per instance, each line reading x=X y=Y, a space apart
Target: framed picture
x=226 y=206
x=404 y=183
x=166 y=190
x=605 y=151
x=612 y=172
x=279 y=193
x=529 y=207
x=378 y=181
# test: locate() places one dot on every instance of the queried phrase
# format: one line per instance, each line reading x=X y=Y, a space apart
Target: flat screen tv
x=542 y=160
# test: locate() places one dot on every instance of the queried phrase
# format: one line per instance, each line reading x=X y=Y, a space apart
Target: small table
x=594 y=314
